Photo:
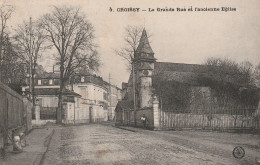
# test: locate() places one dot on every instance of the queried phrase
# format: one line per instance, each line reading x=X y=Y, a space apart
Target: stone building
x=114 y=95
x=98 y=98
x=138 y=91
x=86 y=98
x=174 y=87
x=92 y=106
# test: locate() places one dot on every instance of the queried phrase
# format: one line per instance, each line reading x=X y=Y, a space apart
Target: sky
x=180 y=37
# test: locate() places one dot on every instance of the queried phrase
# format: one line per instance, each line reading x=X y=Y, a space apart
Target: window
x=56 y=81
x=50 y=81
x=84 y=92
x=82 y=79
x=105 y=96
x=39 y=82
x=45 y=82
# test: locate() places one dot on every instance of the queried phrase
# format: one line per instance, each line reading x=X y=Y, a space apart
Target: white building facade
x=87 y=98
x=92 y=106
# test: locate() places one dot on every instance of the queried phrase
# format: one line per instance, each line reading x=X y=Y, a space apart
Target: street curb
x=40 y=158
x=47 y=144
x=124 y=128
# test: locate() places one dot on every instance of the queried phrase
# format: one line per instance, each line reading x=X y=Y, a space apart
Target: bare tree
x=228 y=79
x=256 y=75
x=5 y=14
x=72 y=35
x=30 y=42
x=246 y=72
x=11 y=71
x=131 y=40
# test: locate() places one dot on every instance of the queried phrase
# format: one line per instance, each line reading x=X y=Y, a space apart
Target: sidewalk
x=37 y=141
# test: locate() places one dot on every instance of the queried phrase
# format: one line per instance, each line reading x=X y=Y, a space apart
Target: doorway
x=90 y=114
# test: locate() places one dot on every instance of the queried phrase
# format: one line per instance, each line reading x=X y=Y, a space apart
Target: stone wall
x=13 y=113
x=81 y=114
x=148 y=112
x=126 y=117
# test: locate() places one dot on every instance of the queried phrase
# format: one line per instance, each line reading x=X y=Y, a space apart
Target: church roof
x=180 y=67
x=124 y=104
x=144 y=45
x=178 y=72
x=124 y=85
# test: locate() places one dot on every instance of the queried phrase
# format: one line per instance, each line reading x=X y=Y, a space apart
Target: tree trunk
x=59 y=110
x=33 y=95
x=60 y=103
x=1 y=42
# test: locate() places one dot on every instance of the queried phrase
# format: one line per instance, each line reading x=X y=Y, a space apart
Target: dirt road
x=105 y=144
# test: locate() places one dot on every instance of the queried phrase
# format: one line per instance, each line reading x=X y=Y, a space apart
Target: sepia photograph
x=128 y=82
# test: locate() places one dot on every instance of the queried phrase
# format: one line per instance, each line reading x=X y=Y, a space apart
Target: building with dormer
x=86 y=98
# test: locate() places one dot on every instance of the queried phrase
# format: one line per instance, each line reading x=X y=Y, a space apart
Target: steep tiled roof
x=180 y=67
x=54 y=91
x=95 y=80
x=90 y=78
x=48 y=75
x=84 y=72
x=124 y=85
x=183 y=73
x=124 y=104
x=70 y=93
x=144 y=49
x=144 y=45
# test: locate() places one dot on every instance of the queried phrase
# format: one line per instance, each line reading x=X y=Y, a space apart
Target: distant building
x=124 y=89
x=86 y=98
x=93 y=104
x=114 y=95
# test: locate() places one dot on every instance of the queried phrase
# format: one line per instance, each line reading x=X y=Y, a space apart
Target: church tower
x=144 y=66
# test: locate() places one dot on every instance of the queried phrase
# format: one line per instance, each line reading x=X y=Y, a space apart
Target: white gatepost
x=123 y=117
x=156 y=117
x=37 y=112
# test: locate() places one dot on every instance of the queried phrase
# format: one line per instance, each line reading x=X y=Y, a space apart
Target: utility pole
x=133 y=71
x=110 y=96
x=30 y=59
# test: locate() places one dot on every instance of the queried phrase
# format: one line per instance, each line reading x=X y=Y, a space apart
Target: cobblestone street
x=105 y=144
